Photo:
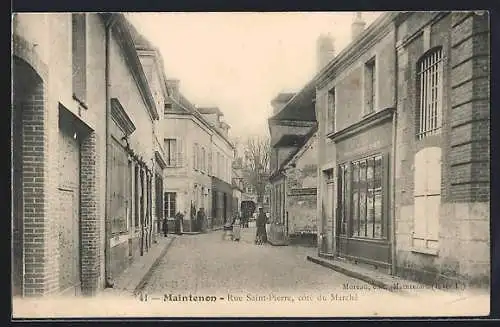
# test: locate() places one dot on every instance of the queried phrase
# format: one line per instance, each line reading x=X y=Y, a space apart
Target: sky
x=241 y=61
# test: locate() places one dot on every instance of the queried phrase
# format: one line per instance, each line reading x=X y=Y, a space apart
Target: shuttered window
x=429 y=93
x=427 y=196
x=180 y=152
x=79 y=56
x=210 y=172
x=330 y=115
x=171 y=150
x=120 y=189
x=370 y=86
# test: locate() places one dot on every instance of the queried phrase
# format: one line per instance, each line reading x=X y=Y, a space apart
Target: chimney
x=325 y=50
x=358 y=26
x=173 y=88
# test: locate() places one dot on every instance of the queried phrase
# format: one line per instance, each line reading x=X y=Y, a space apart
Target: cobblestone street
x=208 y=263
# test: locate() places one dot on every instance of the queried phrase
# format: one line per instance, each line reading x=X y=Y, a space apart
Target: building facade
x=72 y=114
x=199 y=158
x=291 y=127
x=404 y=147
x=294 y=193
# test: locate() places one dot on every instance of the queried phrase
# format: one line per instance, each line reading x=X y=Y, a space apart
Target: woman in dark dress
x=261 y=236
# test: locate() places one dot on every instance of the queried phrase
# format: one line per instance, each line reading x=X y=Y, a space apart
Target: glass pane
x=370 y=169
x=355 y=172
x=355 y=212
x=362 y=171
x=370 y=214
x=379 y=230
x=378 y=172
x=362 y=212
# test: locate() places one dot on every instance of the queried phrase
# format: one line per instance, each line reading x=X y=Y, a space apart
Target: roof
x=303 y=141
x=289 y=140
x=210 y=110
x=300 y=107
x=283 y=97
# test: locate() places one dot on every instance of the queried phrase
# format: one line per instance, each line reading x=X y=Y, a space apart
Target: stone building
x=291 y=126
x=199 y=157
x=403 y=117
x=76 y=219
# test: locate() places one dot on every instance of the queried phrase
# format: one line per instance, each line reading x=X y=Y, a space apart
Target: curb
x=144 y=279
x=360 y=276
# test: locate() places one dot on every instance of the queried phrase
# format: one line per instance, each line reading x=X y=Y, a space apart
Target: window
x=429 y=93
x=203 y=160
x=370 y=86
x=427 y=195
x=195 y=156
x=366 y=198
x=210 y=162
x=330 y=115
x=171 y=150
x=219 y=164
x=120 y=189
x=170 y=207
x=137 y=196
x=79 y=56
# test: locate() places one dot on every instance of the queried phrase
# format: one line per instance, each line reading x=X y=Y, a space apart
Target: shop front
x=222 y=198
x=363 y=219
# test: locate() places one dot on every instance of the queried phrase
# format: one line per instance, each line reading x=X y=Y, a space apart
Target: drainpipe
x=107 y=224
x=393 y=158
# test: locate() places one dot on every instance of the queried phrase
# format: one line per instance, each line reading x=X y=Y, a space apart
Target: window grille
x=430 y=94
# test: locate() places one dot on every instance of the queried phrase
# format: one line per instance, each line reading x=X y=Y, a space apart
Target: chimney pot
x=325 y=50
x=358 y=25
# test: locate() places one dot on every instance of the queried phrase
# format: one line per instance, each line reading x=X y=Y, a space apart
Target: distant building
x=199 y=160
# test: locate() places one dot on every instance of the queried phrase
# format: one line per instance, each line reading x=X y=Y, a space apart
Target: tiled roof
x=289 y=140
x=301 y=106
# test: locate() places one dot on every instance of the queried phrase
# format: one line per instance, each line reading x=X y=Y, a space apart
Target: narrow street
x=207 y=263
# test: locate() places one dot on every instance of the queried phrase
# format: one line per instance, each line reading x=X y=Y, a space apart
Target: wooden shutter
x=210 y=162
x=420 y=192
x=180 y=153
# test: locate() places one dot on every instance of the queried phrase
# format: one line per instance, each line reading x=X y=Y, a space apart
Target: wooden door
x=69 y=216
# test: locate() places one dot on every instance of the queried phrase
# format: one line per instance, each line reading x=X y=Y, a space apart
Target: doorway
x=68 y=223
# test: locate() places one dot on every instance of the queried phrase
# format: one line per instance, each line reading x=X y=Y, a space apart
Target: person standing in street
x=165 y=226
x=261 y=236
x=236 y=227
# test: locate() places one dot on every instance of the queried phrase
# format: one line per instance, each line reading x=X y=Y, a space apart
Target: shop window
x=429 y=93
x=366 y=199
x=427 y=196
